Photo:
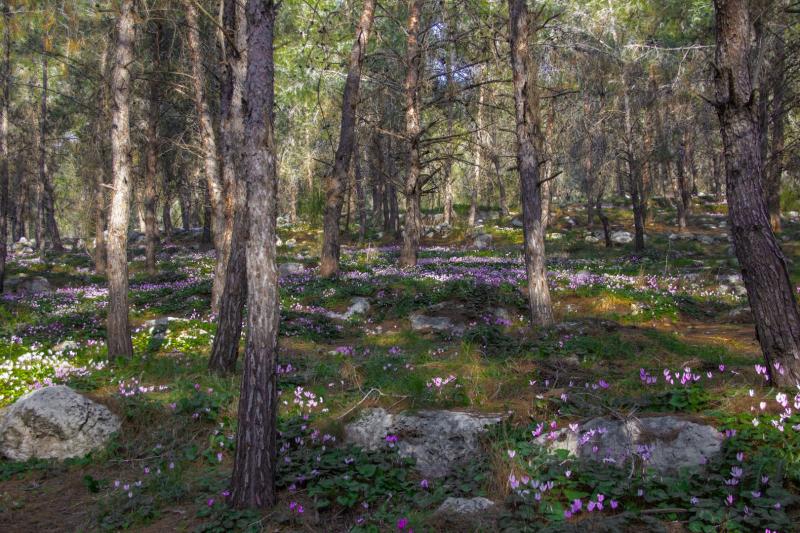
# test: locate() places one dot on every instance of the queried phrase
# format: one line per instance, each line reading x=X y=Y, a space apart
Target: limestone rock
x=427 y=324
x=290 y=269
x=465 y=505
x=358 y=306
x=665 y=443
x=438 y=440
x=28 y=284
x=482 y=241
x=621 y=237
x=54 y=423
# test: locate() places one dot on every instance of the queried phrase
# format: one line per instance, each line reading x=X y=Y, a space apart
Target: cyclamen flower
x=402 y=524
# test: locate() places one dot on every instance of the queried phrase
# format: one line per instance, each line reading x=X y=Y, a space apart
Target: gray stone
x=426 y=324
x=665 y=443
x=437 y=440
x=358 y=305
x=482 y=241
x=554 y=236
x=591 y=239
x=621 y=237
x=516 y=222
x=465 y=505
x=705 y=239
x=54 y=423
x=28 y=284
x=290 y=269
x=66 y=346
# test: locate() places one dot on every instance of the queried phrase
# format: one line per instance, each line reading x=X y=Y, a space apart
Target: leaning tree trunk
x=216 y=224
x=255 y=465
x=526 y=106
x=4 y=107
x=763 y=264
x=151 y=157
x=337 y=179
x=225 y=349
x=118 y=327
x=413 y=182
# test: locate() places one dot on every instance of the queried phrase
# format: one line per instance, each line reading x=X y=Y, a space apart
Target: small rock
x=66 y=346
x=425 y=324
x=482 y=241
x=30 y=285
x=465 y=505
x=705 y=239
x=290 y=269
x=591 y=239
x=516 y=222
x=54 y=423
x=621 y=237
x=554 y=236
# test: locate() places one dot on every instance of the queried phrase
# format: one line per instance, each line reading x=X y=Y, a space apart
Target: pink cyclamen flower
x=402 y=523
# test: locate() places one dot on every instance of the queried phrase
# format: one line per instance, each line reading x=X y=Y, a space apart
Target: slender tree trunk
x=526 y=105
x=634 y=172
x=451 y=23
x=118 y=328
x=254 y=468
x=680 y=185
x=361 y=197
x=151 y=156
x=166 y=212
x=209 y=143
x=763 y=264
x=4 y=108
x=337 y=179
x=225 y=349
x=476 y=185
x=185 y=200
x=48 y=219
x=778 y=158
x=413 y=181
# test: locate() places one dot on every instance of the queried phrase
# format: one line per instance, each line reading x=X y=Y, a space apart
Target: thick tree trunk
x=413 y=181
x=150 y=199
x=337 y=179
x=526 y=105
x=4 y=108
x=209 y=143
x=763 y=264
x=118 y=327
x=47 y=206
x=254 y=468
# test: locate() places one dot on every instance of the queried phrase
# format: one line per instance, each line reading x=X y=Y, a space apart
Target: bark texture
x=4 y=108
x=253 y=482
x=763 y=264
x=413 y=181
x=151 y=157
x=529 y=142
x=337 y=179
x=216 y=224
x=118 y=327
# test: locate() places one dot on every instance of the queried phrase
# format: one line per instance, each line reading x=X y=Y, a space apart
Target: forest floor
x=663 y=332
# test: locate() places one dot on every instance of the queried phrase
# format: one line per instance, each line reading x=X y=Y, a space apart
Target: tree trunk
x=361 y=197
x=763 y=264
x=254 y=468
x=118 y=328
x=526 y=105
x=225 y=349
x=451 y=25
x=337 y=179
x=680 y=185
x=4 y=108
x=413 y=181
x=209 y=143
x=151 y=155
x=635 y=179
x=778 y=158
x=47 y=206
